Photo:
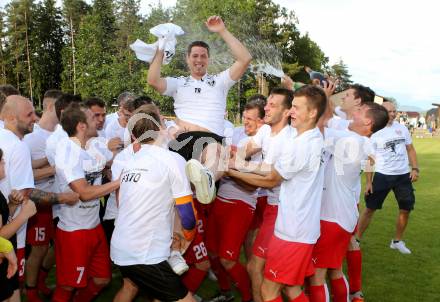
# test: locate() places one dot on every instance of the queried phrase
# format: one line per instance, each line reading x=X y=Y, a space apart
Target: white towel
x=167 y=41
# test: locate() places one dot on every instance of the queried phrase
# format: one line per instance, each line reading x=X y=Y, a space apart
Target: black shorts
x=383 y=184
x=157 y=281
x=7 y=286
x=109 y=227
x=191 y=144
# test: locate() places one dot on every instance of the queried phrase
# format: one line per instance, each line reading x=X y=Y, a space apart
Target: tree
x=48 y=41
x=340 y=71
x=20 y=27
x=73 y=12
x=3 y=54
x=95 y=48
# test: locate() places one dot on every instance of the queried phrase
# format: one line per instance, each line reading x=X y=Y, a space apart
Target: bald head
x=19 y=115
x=391 y=108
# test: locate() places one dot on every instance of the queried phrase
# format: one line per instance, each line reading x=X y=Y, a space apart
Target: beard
x=24 y=128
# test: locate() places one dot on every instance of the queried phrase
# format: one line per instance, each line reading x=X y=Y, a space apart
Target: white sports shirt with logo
x=18 y=170
x=150 y=182
x=300 y=165
x=390 y=149
x=111 y=210
x=229 y=189
x=201 y=102
x=73 y=163
x=345 y=152
x=272 y=147
x=36 y=141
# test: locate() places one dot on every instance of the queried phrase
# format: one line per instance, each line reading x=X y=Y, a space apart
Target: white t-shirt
x=150 y=182
x=345 y=152
x=73 y=163
x=338 y=123
x=390 y=143
x=114 y=129
x=51 y=145
x=300 y=165
x=340 y=113
x=109 y=118
x=111 y=210
x=272 y=147
x=52 y=142
x=36 y=141
x=2 y=124
x=18 y=170
x=201 y=102
x=229 y=189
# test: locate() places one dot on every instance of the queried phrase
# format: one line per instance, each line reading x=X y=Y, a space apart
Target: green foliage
x=84 y=49
x=340 y=71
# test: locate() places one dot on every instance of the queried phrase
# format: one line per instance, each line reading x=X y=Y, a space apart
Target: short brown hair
x=256 y=101
x=366 y=94
x=378 y=115
x=71 y=117
x=316 y=98
x=144 y=125
x=287 y=93
x=199 y=44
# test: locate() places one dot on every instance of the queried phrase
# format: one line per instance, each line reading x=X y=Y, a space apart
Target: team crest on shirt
x=399 y=132
x=210 y=80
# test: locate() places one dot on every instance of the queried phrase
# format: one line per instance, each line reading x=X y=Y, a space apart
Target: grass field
x=388 y=275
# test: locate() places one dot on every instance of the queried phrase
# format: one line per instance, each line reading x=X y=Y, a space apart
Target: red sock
x=277 y=299
x=301 y=298
x=318 y=293
x=87 y=294
x=41 y=283
x=193 y=278
x=32 y=294
x=339 y=290
x=220 y=273
x=240 y=276
x=354 y=269
x=61 y=295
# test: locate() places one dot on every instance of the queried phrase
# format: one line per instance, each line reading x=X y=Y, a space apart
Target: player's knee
x=319 y=277
x=369 y=212
x=203 y=266
x=253 y=267
x=354 y=244
x=227 y=264
x=335 y=274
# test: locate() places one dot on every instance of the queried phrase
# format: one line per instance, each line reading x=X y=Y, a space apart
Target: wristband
x=416 y=169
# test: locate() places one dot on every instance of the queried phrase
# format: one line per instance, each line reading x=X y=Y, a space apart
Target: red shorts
x=228 y=225
x=331 y=247
x=80 y=255
x=203 y=211
x=259 y=213
x=265 y=232
x=288 y=262
x=196 y=252
x=21 y=261
x=40 y=228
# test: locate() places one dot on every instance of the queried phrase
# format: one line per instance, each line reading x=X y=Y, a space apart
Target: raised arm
x=239 y=51
x=153 y=78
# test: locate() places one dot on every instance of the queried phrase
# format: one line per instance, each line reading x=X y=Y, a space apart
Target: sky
x=389 y=45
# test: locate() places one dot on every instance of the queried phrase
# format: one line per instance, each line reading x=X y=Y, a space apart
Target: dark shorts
x=109 y=227
x=7 y=286
x=383 y=184
x=191 y=144
x=157 y=281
